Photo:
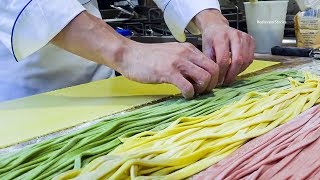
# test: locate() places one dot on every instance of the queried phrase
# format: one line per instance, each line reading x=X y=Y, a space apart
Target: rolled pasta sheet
x=192 y=144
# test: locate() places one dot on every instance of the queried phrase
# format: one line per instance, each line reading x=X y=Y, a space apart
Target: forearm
x=91 y=38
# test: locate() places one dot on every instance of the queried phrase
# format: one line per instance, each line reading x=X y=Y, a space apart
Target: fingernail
x=200 y=83
x=220 y=83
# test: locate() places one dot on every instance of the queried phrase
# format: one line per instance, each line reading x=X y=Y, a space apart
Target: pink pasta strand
x=289 y=151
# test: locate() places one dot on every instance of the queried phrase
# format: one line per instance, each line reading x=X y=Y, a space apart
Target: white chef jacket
x=29 y=64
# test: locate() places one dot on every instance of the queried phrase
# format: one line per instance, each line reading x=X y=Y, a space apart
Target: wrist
x=112 y=46
x=114 y=54
x=209 y=17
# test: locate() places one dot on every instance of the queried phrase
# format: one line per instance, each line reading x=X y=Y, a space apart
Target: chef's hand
x=180 y=64
x=230 y=48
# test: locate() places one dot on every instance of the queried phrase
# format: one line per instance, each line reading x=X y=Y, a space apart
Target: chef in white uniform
x=47 y=45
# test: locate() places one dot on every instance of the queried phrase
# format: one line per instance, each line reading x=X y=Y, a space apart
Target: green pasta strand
x=52 y=157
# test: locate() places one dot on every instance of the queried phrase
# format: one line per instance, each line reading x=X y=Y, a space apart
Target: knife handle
x=291 y=51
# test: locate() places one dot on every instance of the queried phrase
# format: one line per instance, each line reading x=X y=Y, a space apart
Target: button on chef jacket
x=29 y=64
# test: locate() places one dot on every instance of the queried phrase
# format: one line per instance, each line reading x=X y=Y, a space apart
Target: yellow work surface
x=30 y=117
x=258 y=65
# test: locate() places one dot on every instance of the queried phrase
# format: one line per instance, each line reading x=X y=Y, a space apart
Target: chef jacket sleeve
x=28 y=25
x=178 y=14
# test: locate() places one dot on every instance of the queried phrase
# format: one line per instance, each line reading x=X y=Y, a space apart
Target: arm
x=218 y=39
x=32 y=24
x=180 y=64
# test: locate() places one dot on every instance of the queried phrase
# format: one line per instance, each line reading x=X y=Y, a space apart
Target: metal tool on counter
x=122 y=10
x=295 y=51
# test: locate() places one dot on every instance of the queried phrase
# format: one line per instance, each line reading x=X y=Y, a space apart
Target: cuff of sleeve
x=38 y=22
x=179 y=13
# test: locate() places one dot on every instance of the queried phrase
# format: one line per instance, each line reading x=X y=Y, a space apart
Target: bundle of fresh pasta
x=191 y=144
x=73 y=151
x=290 y=151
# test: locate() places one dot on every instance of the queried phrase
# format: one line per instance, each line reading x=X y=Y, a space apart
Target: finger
x=192 y=47
x=183 y=84
x=200 y=77
x=247 y=52
x=207 y=48
x=222 y=51
x=252 y=48
x=237 y=59
x=210 y=66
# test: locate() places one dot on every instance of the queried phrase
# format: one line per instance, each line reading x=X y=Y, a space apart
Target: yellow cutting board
x=26 y=118
x=258 y=65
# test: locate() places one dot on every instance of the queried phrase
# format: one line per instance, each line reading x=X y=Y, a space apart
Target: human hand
x=180 y=64
x=230 y=48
